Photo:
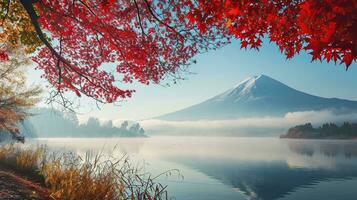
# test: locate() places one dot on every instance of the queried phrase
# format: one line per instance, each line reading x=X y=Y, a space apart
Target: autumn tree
x=79 y=37
x=152 y=40
x=15 y=96
x=327 y=29
x=16 y=31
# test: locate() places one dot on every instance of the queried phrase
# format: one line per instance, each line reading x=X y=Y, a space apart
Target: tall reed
x=71 y=177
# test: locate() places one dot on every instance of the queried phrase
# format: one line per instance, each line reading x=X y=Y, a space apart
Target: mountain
x=258 y=96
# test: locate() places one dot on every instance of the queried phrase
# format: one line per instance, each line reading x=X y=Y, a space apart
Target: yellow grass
x=71 y=177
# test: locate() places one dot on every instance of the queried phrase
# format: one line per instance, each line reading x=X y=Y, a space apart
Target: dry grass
x=71 y=177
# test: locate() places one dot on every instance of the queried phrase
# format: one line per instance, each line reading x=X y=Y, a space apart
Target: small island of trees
x=327 y=131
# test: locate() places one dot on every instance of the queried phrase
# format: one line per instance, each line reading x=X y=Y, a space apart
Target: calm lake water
x=237 y=168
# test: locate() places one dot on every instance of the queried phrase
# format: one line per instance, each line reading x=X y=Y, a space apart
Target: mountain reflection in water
x=253 y=168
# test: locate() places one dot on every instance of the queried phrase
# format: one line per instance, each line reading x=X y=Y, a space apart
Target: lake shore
x=36 y=173
x=15 y=187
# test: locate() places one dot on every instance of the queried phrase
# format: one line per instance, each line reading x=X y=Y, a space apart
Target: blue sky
x=217 y=71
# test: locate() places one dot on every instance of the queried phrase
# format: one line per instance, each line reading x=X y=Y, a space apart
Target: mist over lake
x=235 y=167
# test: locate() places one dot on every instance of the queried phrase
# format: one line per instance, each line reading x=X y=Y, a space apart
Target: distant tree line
x=93 y=128
x=327 y=131
x=47 y=122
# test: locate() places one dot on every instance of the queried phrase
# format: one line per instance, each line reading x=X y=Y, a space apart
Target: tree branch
x=28 y=5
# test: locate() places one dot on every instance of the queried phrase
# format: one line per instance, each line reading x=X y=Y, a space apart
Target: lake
x=236 y=168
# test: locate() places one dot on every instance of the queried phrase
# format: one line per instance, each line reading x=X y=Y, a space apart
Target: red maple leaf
x=147 y=40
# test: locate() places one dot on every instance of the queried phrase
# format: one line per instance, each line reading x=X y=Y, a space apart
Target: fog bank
x=247 y=126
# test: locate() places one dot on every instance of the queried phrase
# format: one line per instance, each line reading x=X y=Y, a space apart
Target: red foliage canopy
x=325 y=28
x=150 y=40
x=146 y=42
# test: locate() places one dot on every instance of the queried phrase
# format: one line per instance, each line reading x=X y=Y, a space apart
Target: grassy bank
x=68 y=176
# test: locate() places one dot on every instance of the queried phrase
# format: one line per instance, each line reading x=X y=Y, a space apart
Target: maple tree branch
x=98 y=32
x=33 y=16
x=28 y=5
x=139 y=18
x=90 y=10
x=58 y=64
x=159 y=20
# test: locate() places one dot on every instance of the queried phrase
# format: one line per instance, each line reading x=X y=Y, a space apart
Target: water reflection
x=246 y=168
x=330 y=148
x=267 y=180
x=304 y=165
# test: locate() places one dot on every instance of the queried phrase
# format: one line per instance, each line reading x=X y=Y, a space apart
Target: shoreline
x=15 y=186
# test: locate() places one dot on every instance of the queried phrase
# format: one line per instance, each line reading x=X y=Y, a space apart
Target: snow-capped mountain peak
x=246 y=89
x=258 y=96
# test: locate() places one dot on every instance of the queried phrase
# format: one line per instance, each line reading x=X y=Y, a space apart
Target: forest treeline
x=46 y=122
x=327 y=131
x=54 y=123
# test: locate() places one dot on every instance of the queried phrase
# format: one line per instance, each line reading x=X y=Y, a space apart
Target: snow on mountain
x=258 y=96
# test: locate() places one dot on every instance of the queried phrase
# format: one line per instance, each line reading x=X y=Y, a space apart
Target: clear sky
x=217 y=71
